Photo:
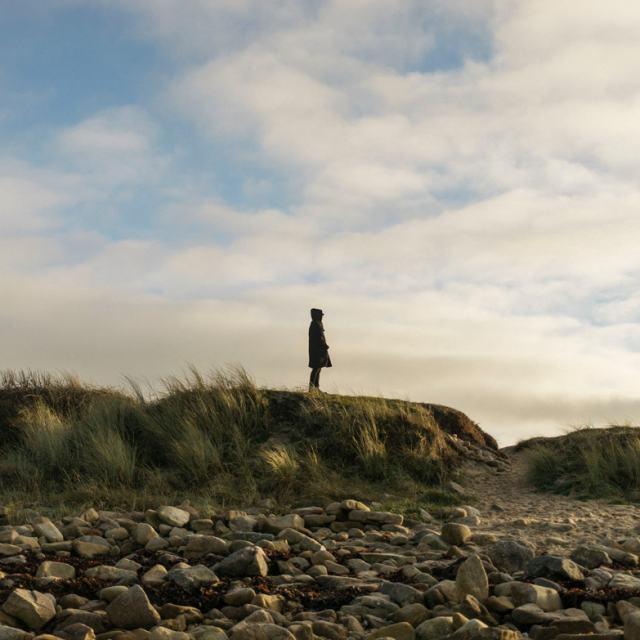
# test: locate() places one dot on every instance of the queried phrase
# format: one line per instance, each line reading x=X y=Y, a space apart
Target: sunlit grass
x=210 y=436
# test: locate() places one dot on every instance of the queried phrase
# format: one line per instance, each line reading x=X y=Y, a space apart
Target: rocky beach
x=514 y=563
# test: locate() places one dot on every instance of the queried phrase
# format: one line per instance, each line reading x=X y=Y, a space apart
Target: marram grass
x=588 y=462
x=218 y=438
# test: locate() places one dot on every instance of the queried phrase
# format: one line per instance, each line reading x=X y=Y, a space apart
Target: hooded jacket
x=318 y=348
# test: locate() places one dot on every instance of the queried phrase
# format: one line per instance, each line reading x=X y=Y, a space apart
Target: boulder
x=250 y=561
x=132 y=610
x=471 y=579
x=553 y=567
x=200 y=546
x=49 y=531
x=510 y=555
x=173 y=516
x=35 y=609
x=61 y=570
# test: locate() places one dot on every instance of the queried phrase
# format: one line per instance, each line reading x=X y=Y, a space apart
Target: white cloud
x=471 y=233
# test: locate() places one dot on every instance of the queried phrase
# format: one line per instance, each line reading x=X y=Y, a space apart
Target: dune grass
x=217 y=438
x=588 y=462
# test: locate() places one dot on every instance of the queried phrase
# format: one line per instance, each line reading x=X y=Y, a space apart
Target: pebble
x=468 y=578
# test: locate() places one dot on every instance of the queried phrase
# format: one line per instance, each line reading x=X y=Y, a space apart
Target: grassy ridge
x=219 y=436
x=589 y=462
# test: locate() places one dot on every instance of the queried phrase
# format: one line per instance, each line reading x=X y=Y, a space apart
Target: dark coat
x=318 y=349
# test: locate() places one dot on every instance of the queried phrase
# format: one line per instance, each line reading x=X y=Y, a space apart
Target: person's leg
x=314 y=380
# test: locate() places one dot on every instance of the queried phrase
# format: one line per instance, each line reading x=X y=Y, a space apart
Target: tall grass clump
x=217 y=435
x=591 y=462
x=378 y=439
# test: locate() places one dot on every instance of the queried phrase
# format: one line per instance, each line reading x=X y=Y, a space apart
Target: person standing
x=318 y=349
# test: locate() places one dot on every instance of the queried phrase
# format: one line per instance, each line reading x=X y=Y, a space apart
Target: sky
x=456 y=183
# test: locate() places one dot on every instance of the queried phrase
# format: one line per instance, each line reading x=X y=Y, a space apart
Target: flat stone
x=104 y=572
x=553 y=567
x=376 y=518
x=590 y=556
x=89 y=549
x=249 y=536
x=545 y=598
x=192 y=576
x=155 y=577
x=372 y=558
x=10 y=549
x=173 y=516
x=61 y=570
x=9 y=633
x=624 y=581
x=49 y=531
x=200 y=546
x=532 y=614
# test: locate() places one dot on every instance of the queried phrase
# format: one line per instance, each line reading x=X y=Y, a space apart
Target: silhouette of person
x=318 y=349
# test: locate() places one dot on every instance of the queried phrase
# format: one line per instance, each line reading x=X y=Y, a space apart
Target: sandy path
x=544 y=519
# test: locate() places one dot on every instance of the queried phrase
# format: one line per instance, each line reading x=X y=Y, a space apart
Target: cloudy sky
x=456 y=183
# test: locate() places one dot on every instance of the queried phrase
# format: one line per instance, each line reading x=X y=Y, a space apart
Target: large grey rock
x=156 y=576
x=435 y=628
x=373 y=557
x=590 y=556
x=277 y=524
x=329 y=630
x=61 y=570
x=532 y=614
x=510 y=555
x=249 y=536
x=624 y=581
x=553 y=567
x=9 y=549
x=172 y=516
x=292 y=536
x=374 y=605
x=192 y=576
x=132 y=610
x=9 y=633
x=144 y=533
x=90 y=549
x=471 y=579
x=547 y=599
x=200 y=546
x=49 y=531
x=250 y=561
x=104 y=572
x=401 y=594
x=35 y=609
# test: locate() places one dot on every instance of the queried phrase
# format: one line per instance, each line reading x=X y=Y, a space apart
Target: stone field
x=516 y=563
